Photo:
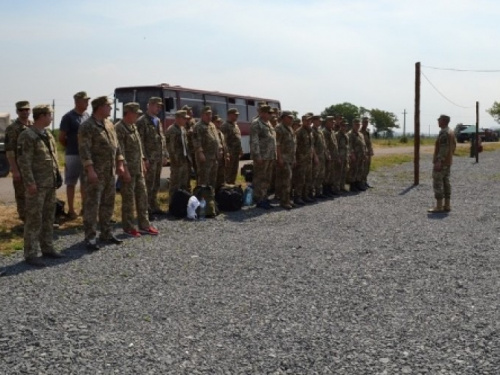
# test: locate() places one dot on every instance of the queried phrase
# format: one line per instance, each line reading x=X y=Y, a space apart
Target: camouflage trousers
x=207 y=172
x=284 y=182
x=356 y=170
x=340 y=173
x=318 y=172
x=262 y=174
x=232 y=168
x=366 y=168
x=134 y=195
x=153 y=175
x=99 y=202
x=329 y=172
x=272 y=183
x=180 y=174
x=441 y=183
x=302 y=178
x=39 y=220
x=19 y=193
x=221 y=174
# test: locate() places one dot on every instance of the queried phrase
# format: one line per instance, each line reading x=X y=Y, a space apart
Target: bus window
x=193 y=100
x=252 y=110
x=170 y=94
x=241 y=106
x=140 y=96
x=218 y=104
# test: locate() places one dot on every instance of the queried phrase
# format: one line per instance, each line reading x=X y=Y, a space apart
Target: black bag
x=247 y=172
x=178 y=205
x=59 y=180
x=229 y=198
x=60 y=208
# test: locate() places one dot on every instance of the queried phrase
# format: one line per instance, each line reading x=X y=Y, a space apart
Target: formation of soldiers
x=297 y=161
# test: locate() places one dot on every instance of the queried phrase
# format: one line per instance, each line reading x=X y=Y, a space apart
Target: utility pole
x=416 y=158
x=404 y=123
x=53 y=114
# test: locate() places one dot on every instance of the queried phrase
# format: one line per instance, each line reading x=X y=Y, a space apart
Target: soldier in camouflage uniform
x=369 y=147
x=207 y=150
x=323 y=156
x=153 y=145
x=191 y=122
x=224 y=158
x=37 y=160
x=12 y=133
x=303 y=155
x=342 y=168
x=133 y=184
x=285 y=152
x=442 y=160
x=358 y=153
x=179 y=154
x=333 y=160
x=263 y=151
x=232 y=134
x=101 y=158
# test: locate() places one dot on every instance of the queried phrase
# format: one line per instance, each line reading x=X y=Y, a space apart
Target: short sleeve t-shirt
x=193 y=204
x=70 y=123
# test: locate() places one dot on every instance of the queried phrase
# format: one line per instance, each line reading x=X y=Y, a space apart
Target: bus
x=175 y=97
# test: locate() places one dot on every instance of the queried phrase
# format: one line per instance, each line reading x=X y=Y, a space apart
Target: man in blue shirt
x=68 y=137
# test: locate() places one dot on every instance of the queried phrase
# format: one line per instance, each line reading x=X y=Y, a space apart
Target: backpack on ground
x=247 y=172
x=178 y=204
x=229 y=198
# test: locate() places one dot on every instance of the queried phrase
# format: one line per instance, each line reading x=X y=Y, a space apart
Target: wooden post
x=53 y=114
x=477 y=132
x=416 y=157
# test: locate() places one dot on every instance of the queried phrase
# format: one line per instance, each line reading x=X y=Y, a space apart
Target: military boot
x=438 y=208
x=447 y=207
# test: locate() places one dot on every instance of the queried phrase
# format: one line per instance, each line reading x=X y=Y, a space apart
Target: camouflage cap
x=233 y=111
x=266 y=109
x=155 y=100
x=41 y=109
x=23 y=104
x=216 y=118
x=132 y=107
x=444 y=117
x=186 y=108
x=356 y=120
x=81 y=95
x=307 y=115
x=182 y=114
x=206 y=109
x=315 y=117
x=365 y=118
x=100 y=101
x=296 y=121
x=286 y=114
x=329 y=118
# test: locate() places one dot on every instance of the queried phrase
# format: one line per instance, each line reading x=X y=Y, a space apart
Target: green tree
x=494 y=111
x=348 y=110
x=383 y=120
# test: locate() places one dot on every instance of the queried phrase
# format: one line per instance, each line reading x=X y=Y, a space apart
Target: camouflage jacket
x=232 y=134
x=331 y=144
x=173 y=137
x=319 y=143
x=205 y=137
x=304 y=144
x=152 y=138
x=368 y=141
x=12 y=133
x=286 y=142
x=445 y=146
x=225 y=150
x=343 y=144
x=357 y=144
x=130 y=146
x=98 y=146
x=37 y=162
x=189 y=134
x=262 y=140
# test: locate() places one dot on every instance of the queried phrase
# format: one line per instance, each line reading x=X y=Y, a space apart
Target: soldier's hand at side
x=126 y=176
x=146 y=165
x=201 y=157
x=16 y=176
x=32 y=190
x=259 y=161
x=437 y=166
x=92 y=177
x=281 y=163
x=316 y=160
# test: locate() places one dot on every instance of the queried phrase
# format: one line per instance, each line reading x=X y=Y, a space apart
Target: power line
x=440 y=93
x=464 y=70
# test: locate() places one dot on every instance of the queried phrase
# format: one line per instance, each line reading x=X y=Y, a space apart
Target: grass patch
x=388 y=161
x=401 y=142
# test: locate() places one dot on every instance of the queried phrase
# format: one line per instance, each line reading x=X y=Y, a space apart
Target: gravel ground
x=362 y=284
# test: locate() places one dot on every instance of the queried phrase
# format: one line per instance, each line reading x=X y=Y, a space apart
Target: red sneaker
x=151 y=230
x=132 y=232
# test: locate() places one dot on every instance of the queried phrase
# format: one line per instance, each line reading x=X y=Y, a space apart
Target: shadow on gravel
x=71 y=253
x=437 y=216
x=408 y=189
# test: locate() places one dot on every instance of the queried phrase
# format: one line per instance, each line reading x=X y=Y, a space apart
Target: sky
x=307 y=54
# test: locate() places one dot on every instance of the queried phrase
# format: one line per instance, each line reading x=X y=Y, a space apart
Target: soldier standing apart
x=323 y=157
x=37 y=158
x=12 y=133
x=333 y=160
x=101 y=158
x=133 y=188
x=304 y=155
x=179 y=154
x=154 y=148
x=443 y=158
x=208 y=150
x=232 y=134
x=369 y=147
x=68 y=137
x=358 y=152
x=224 y=157
x=285 y=151
x=263 y=151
